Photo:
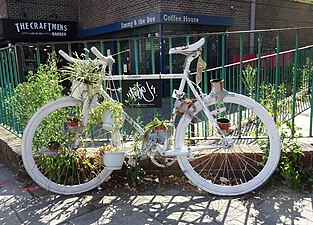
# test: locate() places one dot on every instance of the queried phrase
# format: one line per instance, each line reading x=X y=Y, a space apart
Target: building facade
x=53 y=21
x=120 y=18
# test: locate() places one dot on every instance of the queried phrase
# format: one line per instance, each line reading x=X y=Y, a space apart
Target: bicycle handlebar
x=102 y=60
x=67 y=57
x=107 y=59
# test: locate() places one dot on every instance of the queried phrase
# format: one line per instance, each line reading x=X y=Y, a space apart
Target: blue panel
x=156 y=18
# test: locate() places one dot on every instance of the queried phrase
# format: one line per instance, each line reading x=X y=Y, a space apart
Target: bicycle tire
x=234 y=170
x=55 y=111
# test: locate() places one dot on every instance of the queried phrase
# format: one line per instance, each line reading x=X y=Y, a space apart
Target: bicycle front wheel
x=237 y=164
x=63 y=159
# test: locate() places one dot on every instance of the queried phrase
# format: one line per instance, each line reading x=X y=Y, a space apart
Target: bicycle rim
x=245 y=164
x=72 y=168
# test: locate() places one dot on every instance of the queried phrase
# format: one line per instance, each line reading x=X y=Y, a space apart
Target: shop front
x=25 y=33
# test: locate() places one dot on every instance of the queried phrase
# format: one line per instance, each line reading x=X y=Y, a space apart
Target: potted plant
x=108 y=113
x=85 y=71
x=157 y=125
x=73 y=122
x=72 y=126
x=85 y=76
x=112 y=157
x=224 y=124
x=157 y=128
x=52 y=149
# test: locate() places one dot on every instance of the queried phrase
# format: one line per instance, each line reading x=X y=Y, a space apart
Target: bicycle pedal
x=218 y=111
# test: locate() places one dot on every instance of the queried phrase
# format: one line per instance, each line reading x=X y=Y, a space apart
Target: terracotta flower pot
x=73 y=122
x=224 y=124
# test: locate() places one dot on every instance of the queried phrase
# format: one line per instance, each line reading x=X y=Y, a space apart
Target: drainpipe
x=252 y=26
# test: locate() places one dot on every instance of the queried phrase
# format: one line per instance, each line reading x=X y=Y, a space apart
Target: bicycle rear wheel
x=74 y=164
x=244 y=161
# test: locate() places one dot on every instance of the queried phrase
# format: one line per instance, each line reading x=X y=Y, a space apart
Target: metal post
x=277 y=71
x=171 y=71
x=38 y=56
x=293 y=113
x=205 y=58
x=257 y=94
x=223 y=58
x=311 y=108
x=136 y=56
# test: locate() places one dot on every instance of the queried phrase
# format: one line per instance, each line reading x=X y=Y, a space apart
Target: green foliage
x=305 y=74
x=156 y=122
x=41 y=87
x=249 y=79
x=86 y=71
x=113 y=106
x=71 y=167
x=268 y=94
x=135 y=173
x=289 y=166
x=290 y=170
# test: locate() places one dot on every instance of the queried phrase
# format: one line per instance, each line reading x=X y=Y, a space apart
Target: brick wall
x=272 y=14
x=283 y=13
x=3 y=9
x=94 y=13
x=106 y=12
x=41 y=9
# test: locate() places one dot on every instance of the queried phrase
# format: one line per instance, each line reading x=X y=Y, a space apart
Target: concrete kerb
x=10 y=152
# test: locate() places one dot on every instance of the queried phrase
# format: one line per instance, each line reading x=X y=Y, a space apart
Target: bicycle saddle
x=186 y=50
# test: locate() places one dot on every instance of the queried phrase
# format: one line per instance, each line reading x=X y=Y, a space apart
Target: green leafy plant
x=155 y=123
x=40 y=88
x=114 y=107
x=86 y=71
x=249 y=79
x=134 y=172
x=289 y=170
x=268 y=93
x=79 y=164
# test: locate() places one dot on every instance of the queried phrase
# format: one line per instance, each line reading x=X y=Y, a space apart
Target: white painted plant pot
x=107 y=120
x=113 y=160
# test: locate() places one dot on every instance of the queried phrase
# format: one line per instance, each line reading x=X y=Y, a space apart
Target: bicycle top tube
x=189 y=49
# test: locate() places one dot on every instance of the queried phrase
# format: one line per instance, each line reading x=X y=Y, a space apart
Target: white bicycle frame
x=203 y=99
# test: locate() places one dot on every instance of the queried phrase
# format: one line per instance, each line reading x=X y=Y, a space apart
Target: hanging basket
x=113 y=160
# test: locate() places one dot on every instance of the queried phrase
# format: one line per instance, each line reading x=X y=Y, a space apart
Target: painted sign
x=163 y=18
x=38 y=29
x=142 y=93
x=160 y=17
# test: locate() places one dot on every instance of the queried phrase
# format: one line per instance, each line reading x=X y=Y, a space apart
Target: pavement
x=23 y=202
x=156 y=204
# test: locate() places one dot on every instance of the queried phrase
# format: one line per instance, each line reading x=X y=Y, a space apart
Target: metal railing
x=279 y=61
